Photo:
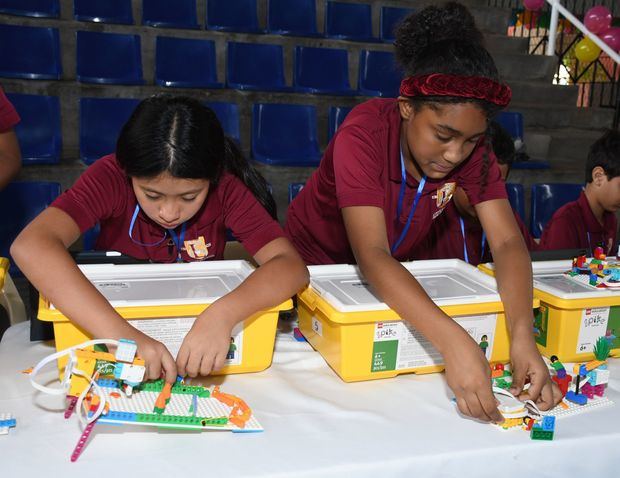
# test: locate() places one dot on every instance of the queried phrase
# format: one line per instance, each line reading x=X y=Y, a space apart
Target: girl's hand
x=206 y=345
x=528 y=364
x=469 y=376
x=158 y=359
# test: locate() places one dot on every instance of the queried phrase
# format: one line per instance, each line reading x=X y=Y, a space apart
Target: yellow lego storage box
x=572 y=314
x=361 y=338
x=10 y=299
x=163 y=300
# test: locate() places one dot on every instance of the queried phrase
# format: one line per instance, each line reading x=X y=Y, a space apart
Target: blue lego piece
x=582 y=370
x=576 y=398
x=107 y=383
x=8 y=423
x=548 y=423
x=298 y=335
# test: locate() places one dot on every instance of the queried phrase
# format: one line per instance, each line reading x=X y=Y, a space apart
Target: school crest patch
x=197 y=248
x=444 y=194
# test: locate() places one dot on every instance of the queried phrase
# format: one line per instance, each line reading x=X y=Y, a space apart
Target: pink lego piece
x=70 y=406
x=81 y=444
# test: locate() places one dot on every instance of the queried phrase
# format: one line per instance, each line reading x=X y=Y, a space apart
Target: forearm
x=513 y=271
x=403 y=293
x=9 y=168
x=58 y=279
x=269 y=285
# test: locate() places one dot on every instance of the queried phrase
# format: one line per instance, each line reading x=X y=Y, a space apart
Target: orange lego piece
x=240 y=413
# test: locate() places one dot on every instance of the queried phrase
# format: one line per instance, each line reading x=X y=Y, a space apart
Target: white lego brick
x=126 y=350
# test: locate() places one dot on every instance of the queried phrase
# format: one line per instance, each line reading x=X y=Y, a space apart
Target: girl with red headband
x=391 y=169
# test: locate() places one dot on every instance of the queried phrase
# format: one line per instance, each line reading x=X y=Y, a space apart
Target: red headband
x=438 y=84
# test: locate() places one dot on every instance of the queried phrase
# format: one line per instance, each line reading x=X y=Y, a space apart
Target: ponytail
x=235 y=163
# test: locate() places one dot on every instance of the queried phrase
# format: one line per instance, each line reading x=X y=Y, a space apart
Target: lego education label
x=541 y=321
x=593 y=325
x=398 y=346
x=171 y=332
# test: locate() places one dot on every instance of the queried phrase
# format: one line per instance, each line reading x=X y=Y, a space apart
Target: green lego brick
x=540 y=434
x=180 y=420
x=178 y=388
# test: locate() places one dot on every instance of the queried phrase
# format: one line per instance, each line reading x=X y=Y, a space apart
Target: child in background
x=457 y=232
x=391 y=169
x=591 y=221
x=174 y=186
x=10 y=156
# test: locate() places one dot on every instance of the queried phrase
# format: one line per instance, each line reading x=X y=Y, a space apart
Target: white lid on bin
x=447 y=282
x=133 y=285
x=551 y=277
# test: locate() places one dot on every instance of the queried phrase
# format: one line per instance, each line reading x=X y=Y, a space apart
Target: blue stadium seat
x=349 y=21
x=390 y=18
x=109 y=58
x=547 y=199
x=20 y=203
x=292 y=17
x=89 y=238
x=337 y=114
x=285 y=135
x=167 y=14
x=232 y=16
x=512 y=122
x=43 y=59
x=228 y=114
x=378 y=74
x=293 y=190
x=516 y=197
x=103 y=11
x=101 y=120
x=186 y=63
x=31 y=8
x=38 y=131
x=322 y=70
x=254 y=66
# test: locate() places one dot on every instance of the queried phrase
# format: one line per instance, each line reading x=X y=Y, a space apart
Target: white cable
x=71 y=368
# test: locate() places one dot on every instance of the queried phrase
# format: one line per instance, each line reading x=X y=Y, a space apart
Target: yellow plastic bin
x=163 y=300
x=362 y=339
x=572 y=314
x=10 y=299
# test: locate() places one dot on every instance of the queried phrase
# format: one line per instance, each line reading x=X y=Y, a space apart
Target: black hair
x=605 y=152
x=182 y=137
x=445 y=39
x=503 y=144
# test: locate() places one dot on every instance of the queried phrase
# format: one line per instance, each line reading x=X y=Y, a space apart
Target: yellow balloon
x=587 y=51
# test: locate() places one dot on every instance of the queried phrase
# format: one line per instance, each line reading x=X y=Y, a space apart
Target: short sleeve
x=8 y=115
x=473 y=181
x=359 y=164
x=99 y=193
x=246 y=217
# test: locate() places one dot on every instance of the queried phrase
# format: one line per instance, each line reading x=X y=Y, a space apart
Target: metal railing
x=598 y=81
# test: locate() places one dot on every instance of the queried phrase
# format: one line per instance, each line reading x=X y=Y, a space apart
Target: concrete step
x=566 y=146
x=539 y=92
x=525 y=67
x=563 y=116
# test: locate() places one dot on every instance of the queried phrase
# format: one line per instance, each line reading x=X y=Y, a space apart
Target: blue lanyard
x=178 y=241
x=482 y=245
x=131 y=225
x=401 y=197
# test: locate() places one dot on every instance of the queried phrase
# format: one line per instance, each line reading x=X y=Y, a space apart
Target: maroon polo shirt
x=103 y=194
x=361 y=167
x=575 y=226
x=8 y=115
x=445 y=239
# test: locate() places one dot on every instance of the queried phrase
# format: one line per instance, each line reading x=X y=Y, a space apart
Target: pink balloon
x=611 y=36
x=533 y=5
x=597 y=19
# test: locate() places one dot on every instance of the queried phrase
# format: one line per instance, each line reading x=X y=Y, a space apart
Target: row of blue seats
x=282 y=134
x=350 y=21
x=20 y=202
x=111 y=58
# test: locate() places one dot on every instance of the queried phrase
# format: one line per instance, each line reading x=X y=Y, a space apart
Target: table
x=315 y=425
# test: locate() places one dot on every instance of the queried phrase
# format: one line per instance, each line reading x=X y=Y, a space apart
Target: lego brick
x=126 y=350
x=548 y=423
